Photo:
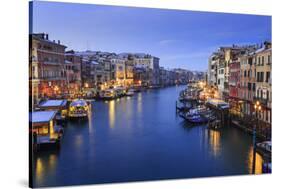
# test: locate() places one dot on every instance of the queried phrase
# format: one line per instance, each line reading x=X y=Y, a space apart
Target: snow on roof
x=141 y=66
x=260 y=50
x=94 y=62
x=42 y=116
x=67 y=62
x=53 y=103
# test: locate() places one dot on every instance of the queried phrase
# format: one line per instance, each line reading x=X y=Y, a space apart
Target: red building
x=234 y=86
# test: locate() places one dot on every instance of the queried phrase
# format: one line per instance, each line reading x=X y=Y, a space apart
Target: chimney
x=59 y=42
x=47 y=36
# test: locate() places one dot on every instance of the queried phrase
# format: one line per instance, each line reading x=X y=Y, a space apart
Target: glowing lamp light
x=56 y=88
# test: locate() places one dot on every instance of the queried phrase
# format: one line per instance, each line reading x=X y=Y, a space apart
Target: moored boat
x=78 y=109
x=264 y=146
x=193 y=116
x=130 y=92
x=108 y=94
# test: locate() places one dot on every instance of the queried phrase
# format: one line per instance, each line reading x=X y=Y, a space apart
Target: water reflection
x=259 y=161
x=45 y=164
x=149 y=141
x=139 y=103
x=214 y=141
x=111 y=113
x=90 y=115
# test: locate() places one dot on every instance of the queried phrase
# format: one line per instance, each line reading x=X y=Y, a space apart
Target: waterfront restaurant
x=43 y=126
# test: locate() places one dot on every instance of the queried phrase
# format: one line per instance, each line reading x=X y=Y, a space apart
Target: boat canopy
x=53 y=103
x=42 y=116
x=78 y=103
x=218 y=103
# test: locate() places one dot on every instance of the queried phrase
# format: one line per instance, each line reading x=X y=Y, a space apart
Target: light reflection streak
x=259 y=161
x=139 y=103
x=111 y=113
x=215 y=141
x=90 y=115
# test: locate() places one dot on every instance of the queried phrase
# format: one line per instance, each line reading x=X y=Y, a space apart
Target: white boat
x=130 y=92
x=109 y=94
x=264 y=146
x=120 y=91
x=78 y=109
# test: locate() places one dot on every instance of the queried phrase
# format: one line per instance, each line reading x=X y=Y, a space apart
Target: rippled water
x=141 y=138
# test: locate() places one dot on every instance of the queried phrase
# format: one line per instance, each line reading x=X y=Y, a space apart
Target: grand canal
x=141 y=138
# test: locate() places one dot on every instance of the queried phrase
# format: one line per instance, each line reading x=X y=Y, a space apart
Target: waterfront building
x=141 y=75
x=129 y=72
x=47 y=71
x=88 y=69
x=149 y=64
x=73 y=65
x=263 y=60
x=221 y=78
x=212 y=69
x=119 y=71
x=234 y=86
x=247 y=83
x=183 y=76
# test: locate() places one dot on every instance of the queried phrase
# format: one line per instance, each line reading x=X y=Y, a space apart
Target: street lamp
x=257 y=109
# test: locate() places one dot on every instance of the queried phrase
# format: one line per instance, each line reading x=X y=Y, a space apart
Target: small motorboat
x=264 y=146
x=196 y=119
x=130 y=92
x=108 y=94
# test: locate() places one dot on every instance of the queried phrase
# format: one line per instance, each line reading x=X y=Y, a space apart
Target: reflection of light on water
x=90 y=117
x=45 y=166
x=139 y=105
x=39 y=169
x=52 y=161
x=78 y=140
x=258 y=168
x=111 y=113
x=214 y=140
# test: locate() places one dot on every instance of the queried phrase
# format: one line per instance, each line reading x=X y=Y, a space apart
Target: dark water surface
x=141 y=138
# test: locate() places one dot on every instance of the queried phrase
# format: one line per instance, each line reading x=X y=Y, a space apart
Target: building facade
x=47 y=70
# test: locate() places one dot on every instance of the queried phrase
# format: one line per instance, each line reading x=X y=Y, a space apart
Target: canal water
x=142 y=138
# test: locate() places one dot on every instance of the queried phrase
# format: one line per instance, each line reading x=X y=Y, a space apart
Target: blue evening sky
x=179 y=38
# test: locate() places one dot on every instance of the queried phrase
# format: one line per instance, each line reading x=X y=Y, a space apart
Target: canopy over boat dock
x=217 y=103
x=53 y=104
x=41 y=117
